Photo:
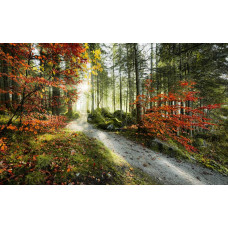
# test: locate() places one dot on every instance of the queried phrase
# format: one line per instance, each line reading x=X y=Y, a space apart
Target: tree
x=138 y=86
x=32 y=78
x=166 y=122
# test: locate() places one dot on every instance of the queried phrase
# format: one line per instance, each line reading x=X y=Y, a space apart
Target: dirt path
x=165 y=169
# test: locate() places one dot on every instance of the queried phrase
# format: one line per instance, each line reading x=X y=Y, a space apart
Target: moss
x=105 y=112
x=118 y=113
x=72 y=115
x=117 y=123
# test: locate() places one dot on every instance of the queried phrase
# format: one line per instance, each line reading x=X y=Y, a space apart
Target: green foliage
x=35 y=178
x=43 y=161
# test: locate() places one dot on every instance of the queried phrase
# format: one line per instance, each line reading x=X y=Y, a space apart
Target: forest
x=113 y=113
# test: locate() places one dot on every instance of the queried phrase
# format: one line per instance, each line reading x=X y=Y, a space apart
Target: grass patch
x=64 y=158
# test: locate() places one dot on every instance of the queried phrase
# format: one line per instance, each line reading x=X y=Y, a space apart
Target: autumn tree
x=34 y=72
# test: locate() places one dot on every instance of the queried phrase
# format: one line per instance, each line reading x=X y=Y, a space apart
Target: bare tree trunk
x=121 y=108
x=114 y=84
x=151 y=70
x=98 y=95
x=6 y=95
x=130 y=95
x=56 y=97
x=138 y=92
x=92 y=91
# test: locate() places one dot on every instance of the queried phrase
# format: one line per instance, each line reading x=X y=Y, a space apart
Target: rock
x=110 y=127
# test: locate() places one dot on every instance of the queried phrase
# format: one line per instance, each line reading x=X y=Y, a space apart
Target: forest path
x=165 y=169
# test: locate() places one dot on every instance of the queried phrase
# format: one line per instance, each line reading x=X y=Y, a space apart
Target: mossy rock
x=118 y=113
x=105 y=112
x=115 y=122
x=97 y=118
x=102 y=126
x=72 y=115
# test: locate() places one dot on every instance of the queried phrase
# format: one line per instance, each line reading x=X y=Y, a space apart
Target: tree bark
x=138 y=92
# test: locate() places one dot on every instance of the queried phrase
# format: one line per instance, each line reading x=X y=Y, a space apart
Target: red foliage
x=171 y=117
x=32 y=73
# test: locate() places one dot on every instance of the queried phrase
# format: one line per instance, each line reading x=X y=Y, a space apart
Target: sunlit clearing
x=83 y=89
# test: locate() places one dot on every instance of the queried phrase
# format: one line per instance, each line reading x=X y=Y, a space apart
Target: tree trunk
x=151 y=71
x=92 y=91
x=138 y=92
x=121 y=108
x=6 y=96
x=56 y=96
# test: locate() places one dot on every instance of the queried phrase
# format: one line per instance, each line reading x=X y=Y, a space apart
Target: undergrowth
x=64 y=158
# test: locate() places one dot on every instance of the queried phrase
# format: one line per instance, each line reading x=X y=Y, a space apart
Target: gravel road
x=161 y=167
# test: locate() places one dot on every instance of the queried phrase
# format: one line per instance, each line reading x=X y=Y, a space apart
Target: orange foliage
x=32 y=74
x=171 y=118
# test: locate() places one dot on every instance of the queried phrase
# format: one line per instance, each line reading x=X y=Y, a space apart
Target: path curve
x=163 y=168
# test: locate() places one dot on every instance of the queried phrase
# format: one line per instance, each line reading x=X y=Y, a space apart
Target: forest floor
x=163 y=168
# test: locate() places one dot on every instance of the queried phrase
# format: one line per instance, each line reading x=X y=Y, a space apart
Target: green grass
x=64 y=158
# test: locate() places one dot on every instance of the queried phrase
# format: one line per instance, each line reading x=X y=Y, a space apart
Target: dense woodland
x=176 y=92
